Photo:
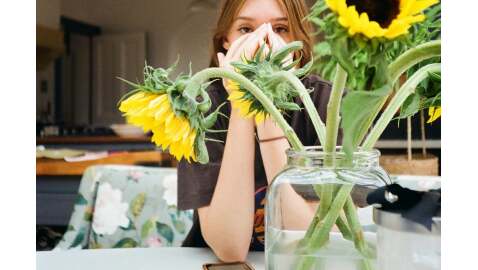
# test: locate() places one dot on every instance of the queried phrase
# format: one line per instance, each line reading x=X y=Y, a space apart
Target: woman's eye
x=281 y=29
x=245 y=30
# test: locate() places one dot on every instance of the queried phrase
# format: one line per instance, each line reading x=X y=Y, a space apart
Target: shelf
x=402 y=144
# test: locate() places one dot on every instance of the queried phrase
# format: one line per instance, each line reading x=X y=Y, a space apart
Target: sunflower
x=238 y=101
x=434 y=113
x=379 y=18
x=153 y=112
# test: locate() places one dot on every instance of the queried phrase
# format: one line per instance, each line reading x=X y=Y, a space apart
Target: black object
x=48 y=237
x=417 y=206
x=228 y=266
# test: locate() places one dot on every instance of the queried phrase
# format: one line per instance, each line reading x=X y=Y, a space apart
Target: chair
x=126 y=206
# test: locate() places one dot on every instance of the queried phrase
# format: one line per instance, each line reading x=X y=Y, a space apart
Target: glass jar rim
x=317 y=152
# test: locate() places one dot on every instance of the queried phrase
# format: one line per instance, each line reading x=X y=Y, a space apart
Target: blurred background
x=82 y=47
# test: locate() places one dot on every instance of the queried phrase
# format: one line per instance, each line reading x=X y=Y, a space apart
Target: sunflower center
x=381 y=11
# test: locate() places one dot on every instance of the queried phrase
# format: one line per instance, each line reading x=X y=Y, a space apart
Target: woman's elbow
x=229 y=250
x=231 y=253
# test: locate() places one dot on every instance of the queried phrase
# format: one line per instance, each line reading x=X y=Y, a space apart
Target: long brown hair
x=296 y=12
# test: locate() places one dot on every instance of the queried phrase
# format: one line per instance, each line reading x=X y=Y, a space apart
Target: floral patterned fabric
x=126 y=206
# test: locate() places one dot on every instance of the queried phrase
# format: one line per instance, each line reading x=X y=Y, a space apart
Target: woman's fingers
x=238 y=43
x=220 y=59
x=252 y=44
x=272 y=39
x=251 y=47
x=277 y=43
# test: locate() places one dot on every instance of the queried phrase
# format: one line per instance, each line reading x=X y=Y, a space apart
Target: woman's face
x=253 y=14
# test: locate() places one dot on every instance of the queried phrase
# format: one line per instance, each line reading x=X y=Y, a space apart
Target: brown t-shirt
x=196 y=182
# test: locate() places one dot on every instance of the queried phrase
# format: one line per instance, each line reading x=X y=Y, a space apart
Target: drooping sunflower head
x=261 y=70
x=379 y=18
x=153 y=112
x=178 y=123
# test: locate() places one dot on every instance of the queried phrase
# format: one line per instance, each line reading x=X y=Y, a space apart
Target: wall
x=47 y=14
x=170 y=28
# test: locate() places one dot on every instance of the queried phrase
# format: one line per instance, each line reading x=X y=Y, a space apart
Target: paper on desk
x=42 y=152
x=88 y=156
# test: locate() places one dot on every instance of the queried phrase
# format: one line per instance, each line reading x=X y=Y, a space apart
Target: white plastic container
x=406 y=245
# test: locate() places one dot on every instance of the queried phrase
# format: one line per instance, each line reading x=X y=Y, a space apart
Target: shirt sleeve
x=196 y=182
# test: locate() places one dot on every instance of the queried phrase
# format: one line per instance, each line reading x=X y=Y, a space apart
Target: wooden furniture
x=56 y=167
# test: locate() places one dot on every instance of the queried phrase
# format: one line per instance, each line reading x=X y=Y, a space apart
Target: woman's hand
x=276 y=43
x=246 y=45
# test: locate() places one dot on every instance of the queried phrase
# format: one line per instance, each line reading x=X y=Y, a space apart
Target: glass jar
x=304 y=231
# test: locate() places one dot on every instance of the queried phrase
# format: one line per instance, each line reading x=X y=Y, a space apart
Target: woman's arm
x=227 y=223
x=297 y=213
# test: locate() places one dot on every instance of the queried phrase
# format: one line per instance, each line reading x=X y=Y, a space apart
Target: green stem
x=356 y=228
x=307 y=101
x=193 y=88
x=321 y=231
x=412 y=57
x=405 y=90
x=333 y=114
x=343 y=226
x=341 y=220
x=326 y=196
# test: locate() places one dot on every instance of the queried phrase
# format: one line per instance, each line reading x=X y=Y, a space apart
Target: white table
x=134 y=259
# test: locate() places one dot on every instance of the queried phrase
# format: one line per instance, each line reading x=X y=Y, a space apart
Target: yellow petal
x=158 y=101
x=236 y=95
x=419 y=6
x=232 y=86
x=260 y=117
x=434 y=113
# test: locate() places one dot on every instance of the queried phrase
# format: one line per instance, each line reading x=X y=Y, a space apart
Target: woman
x=228 y=192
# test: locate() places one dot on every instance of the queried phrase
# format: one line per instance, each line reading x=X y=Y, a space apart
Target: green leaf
x=243 y=67
x=126 y=243
x=289 y=106
x=80 y=200
x=410 y=106
x=282 y=53
x=165 y=231
x=137 y=204
x=301 y=72
x=358 y=109
x=146 y=228
x=435 y=76
x=201 y=149
x=322 y=49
